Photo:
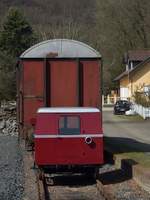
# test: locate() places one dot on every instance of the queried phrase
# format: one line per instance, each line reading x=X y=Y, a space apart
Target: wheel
x=93 y=173
x=49 y=181
x=96 y=173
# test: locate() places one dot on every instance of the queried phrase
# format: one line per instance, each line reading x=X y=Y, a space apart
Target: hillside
x=51 y=11
x=112 y=27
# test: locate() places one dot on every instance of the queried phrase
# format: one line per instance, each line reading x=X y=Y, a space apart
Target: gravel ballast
x=119 y=185
x=11 y=169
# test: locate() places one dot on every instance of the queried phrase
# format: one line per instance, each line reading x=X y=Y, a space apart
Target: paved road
x=134 y=132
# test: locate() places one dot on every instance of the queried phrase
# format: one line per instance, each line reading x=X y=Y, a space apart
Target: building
x=137 y=73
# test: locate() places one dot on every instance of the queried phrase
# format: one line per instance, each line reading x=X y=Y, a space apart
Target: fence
x=142 y=111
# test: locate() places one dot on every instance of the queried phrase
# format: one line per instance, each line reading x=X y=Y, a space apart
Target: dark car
x=121 y=107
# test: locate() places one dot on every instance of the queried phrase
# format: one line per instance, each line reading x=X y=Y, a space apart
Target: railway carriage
x=68 y=139
x=61 y=79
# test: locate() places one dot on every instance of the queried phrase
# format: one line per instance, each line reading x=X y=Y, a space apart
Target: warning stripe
x=69 y=136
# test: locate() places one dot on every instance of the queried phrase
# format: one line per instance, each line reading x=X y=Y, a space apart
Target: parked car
x=121 y=107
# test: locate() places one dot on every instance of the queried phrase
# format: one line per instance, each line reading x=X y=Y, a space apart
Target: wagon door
x=63 y=81
x=91 y=83
x=32 y=89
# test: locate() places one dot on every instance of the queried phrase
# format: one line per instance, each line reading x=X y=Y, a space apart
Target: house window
x=147 y=90
x=69 y=125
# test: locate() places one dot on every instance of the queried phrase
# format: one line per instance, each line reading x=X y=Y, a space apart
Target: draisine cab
x=68 y=138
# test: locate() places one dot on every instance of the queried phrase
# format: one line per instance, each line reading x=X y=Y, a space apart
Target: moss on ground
x=142 y=158
x=129 y=151
x=130 y=117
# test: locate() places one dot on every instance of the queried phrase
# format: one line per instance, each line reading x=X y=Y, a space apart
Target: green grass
x=131 y=117
x=108 y=105
x=128 y=151
x=142 y=158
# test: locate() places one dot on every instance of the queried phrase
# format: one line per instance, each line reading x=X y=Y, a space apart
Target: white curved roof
x=60 y=48
x=68 y=110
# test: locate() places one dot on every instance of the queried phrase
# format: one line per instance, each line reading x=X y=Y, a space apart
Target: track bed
x=75 y=187
x=112 y=184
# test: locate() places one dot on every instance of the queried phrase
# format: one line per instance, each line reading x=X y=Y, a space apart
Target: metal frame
x=81 y=82
x=66 y=58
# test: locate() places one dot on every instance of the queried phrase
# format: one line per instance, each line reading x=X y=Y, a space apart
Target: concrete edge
x=133 y=170
x=105 y=191
x=31 y=188
x=41 y=190
x=142 y=177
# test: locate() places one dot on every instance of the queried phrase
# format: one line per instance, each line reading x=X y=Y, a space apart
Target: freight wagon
x=57 y=73
x=59 y=100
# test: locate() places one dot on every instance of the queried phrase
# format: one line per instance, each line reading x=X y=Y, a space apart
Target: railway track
x=68 y=187
x=113 y=184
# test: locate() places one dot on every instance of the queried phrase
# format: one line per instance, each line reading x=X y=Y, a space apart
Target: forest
x=110 y=26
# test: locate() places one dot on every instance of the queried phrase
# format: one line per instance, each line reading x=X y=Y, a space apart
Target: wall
x=125 y=85
x=124 y=81
x=136 y=79
x=141 y=77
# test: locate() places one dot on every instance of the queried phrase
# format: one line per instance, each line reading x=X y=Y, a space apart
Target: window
x=147 y=90
x=69 y=125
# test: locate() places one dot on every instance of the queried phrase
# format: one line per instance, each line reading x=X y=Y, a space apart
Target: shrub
x=142 y=98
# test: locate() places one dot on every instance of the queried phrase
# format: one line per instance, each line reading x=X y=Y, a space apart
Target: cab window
x=69 y=125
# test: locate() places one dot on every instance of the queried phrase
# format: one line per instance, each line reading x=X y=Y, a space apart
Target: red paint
x=67 y=87
x=65 y=151
x=62 y=151
x=30 y=90
x=33 y=78
x=47 y=123
x=30 y=109
x=63 y=81
x=92 y=123
x=91 y=83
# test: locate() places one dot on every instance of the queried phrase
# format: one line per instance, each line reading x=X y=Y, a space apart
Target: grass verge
x=140 y=157
x=136 y=152
x=130 y=117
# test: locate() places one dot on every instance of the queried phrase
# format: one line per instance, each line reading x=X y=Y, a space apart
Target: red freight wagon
x=57 y=73
x=68 y=138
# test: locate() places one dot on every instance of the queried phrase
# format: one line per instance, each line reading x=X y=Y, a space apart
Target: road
x=136 y=133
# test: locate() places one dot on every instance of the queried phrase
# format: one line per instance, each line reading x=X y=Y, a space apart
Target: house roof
x=125 y=73
x=60 y=48
x=121 y=75
x=136 y=55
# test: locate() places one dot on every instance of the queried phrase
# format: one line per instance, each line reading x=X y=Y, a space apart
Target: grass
x=141 y=158
x=131 y=117
x=128 y=151
x=108 y=105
